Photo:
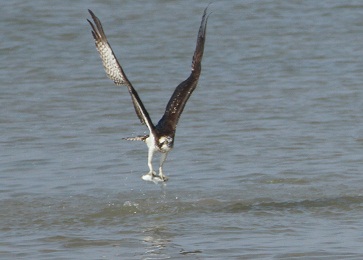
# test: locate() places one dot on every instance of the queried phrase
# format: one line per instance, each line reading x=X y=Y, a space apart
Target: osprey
x=161 y=136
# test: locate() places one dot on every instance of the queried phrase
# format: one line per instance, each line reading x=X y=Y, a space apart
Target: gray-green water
x=268 y=155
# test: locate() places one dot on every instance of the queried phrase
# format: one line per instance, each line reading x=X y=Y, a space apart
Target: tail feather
x=137 y=138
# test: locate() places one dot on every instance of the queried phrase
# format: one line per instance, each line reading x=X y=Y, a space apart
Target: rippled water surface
x=268 y=155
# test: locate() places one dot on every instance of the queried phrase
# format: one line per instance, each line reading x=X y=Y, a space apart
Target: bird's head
x=166 y=143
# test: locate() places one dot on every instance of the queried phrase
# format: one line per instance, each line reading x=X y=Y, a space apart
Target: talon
x=149 y=176
x=164 y=178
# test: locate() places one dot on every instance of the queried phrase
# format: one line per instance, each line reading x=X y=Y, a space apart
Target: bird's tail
x=137 y=138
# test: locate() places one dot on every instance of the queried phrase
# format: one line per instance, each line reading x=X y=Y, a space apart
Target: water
x=268 y=155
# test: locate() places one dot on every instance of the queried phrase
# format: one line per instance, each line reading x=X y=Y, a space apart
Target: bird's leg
x=151 y=152
x=162 y=160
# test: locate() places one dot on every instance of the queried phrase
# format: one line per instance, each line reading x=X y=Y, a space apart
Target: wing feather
x=183 y=91
x=114 y=70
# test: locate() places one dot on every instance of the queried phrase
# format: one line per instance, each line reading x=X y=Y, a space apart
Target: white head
x=165 y=143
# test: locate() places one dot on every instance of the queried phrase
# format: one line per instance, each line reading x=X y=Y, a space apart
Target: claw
x=149 y=176
x=154 y=178
x=163 y=178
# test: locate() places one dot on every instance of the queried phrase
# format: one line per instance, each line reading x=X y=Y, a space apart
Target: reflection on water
x=156 y=240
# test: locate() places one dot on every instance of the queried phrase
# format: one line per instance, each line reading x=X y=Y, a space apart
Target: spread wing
x=114 y=70
x=183 y=91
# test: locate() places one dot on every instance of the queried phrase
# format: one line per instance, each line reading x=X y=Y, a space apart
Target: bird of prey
x=161 y=136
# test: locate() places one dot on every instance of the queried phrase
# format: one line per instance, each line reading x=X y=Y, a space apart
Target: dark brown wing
x=183 y=91
x=114 y=70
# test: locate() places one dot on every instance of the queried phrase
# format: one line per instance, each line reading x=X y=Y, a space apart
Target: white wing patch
x=110 y=63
